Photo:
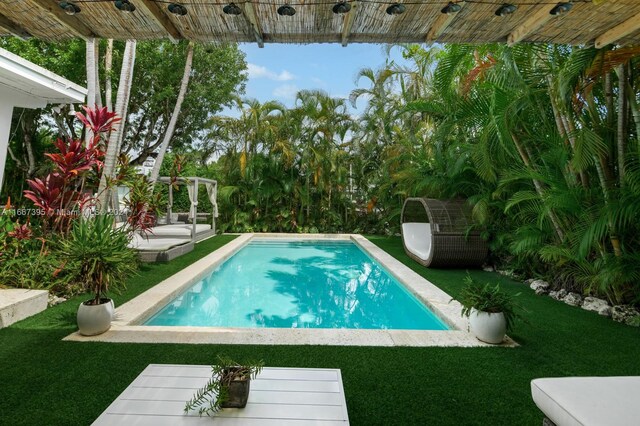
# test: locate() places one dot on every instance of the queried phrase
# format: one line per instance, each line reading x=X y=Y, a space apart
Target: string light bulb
x=286 y=10
x=124 y=6
x=341 y=7
x=561 y=8
x=451 y=8
x=506 y=9
x=69 y=8
x=232 y=9
x=396 y=9
x=177 y=9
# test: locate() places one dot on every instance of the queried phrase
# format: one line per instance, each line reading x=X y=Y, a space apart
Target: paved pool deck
x=127 y=327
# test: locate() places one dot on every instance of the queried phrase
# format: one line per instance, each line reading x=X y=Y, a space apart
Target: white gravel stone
x=539 y=286
x=596 y=305
x=625 y=314
x=559 y=294
x=573 y=299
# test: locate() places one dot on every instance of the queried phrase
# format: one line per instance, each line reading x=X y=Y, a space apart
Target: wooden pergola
x=588 y=22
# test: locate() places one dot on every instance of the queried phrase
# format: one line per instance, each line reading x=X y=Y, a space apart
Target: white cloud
x=286 y=91
x=257 y=71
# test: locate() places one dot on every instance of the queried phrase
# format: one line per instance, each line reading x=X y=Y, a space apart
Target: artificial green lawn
x=45 y=381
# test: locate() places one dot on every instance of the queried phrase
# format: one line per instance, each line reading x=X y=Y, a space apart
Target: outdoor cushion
x=142 y=244
x=176 y=231
x=588 y=401
x=417 y=238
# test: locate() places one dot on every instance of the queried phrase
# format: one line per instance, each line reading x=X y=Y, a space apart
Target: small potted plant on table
x=99 y=255
x=228 y=387
x=491 y=312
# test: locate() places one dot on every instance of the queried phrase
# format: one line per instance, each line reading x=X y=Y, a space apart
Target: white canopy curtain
x=212 y=191
x=193 y=198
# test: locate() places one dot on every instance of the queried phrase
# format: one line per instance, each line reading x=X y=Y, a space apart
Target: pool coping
x=128 y=317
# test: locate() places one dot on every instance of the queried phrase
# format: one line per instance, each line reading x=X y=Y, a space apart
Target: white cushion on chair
x=417 y=238
x=582 y=401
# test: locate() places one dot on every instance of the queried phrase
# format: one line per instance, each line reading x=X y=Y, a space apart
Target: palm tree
x=122 y=101
x=155 y=172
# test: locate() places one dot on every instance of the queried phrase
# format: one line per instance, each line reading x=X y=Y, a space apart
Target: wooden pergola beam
x=252 y=18
x=348 y=24
x=71 y=22
x=13 y=28
x=440 y=24
x=161 y=18
x=616 y=33
x=531 y=25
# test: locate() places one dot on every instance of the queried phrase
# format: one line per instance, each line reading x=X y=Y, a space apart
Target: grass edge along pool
x=291 y=283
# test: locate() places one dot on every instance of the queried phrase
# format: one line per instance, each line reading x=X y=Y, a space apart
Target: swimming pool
x=298 y=284
x=129 y=319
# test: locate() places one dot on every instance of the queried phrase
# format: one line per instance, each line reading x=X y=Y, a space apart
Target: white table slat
x=263 y=384
x=269 y=373
x=279 y=396
x=252 y=410
x=296 y=386
x=276 y=397
x=155 y=420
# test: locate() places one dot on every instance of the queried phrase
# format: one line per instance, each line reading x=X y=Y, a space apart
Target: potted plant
x=491 y=312
x=98 y=254
x=228 y=387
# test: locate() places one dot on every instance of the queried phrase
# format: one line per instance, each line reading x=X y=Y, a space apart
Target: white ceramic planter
x=95 y=319
x=487 y=327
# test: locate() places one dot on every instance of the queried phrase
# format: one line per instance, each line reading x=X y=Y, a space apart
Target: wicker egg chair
x=437 y=234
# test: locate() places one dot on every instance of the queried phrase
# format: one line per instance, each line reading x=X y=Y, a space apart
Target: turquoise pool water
x=286 y=284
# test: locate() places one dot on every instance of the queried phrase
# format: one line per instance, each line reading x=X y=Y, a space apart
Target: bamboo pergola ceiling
x=579 y=22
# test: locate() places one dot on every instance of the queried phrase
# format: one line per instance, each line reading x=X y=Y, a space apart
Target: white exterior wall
x=6 y=111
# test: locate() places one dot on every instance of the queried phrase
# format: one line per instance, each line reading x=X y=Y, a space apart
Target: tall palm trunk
x=621 y=71
x=91 y=70
x=113 y=148
x=536 y=183
x=90 y=59
x=635 y=112
x=565 y=129
x=96 y=64
x=608 y=93
x=27 y=139
x=108 y=66
x=155 y=173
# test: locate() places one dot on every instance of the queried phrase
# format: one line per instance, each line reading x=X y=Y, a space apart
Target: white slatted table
x=279 y=396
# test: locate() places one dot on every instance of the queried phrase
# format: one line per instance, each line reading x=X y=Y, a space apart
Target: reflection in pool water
x=310 y=284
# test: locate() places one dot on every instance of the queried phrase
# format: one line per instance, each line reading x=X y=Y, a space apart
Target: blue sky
x=278 y=71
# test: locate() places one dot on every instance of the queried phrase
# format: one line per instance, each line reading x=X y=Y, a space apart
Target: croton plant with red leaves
x=62 y=194
x=69 y=188
x=98 y=120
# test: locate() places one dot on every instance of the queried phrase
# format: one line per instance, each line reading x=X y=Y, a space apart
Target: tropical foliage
x=487 y=298
x=542 y=141
x=55 y=246
x=285 y=169
x=97 y=256
x=212 y=397
x=215 y=77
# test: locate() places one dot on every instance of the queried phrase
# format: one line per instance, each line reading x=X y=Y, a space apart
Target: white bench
x=588 y=401
x=278 y=396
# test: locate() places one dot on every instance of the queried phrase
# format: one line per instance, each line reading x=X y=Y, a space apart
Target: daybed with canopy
x=170 y=238
x=439 y=233
x=194 y=230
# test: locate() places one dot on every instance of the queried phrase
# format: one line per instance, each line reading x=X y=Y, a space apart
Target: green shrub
x=487 y=298
x=98 y=255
